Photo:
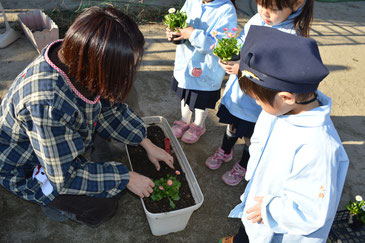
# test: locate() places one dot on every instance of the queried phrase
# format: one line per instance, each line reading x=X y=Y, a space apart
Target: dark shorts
x=196 y=98
x=243 y=128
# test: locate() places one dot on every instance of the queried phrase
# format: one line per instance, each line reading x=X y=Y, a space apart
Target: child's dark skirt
x=243 y=128
x=196 y=99
x=242 y=236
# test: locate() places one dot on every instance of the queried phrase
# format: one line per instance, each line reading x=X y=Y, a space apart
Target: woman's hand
x=231 y=67
x=140 y=185
x=183 y=33
x=156 y=154
x=254 y=213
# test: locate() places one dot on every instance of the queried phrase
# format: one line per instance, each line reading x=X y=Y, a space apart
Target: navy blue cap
x=281 y=61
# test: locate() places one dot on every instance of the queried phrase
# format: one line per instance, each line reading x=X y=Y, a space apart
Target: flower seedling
x=167 y=188
x=357 y=208
x=175 y=19
x=226 y=47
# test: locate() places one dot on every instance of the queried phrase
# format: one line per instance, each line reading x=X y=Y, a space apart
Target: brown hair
x=100 y=49
x=302 y=22
x=264 y=94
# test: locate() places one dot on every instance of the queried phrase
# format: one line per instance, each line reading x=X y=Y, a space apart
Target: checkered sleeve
x=121 y=123
x=58 y=148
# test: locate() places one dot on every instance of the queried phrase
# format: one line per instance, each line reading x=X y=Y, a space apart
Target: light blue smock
x=195 y=52
x=237 y=102
x=298 y=164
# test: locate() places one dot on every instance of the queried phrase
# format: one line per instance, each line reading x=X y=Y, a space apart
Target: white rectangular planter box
x=173 y=221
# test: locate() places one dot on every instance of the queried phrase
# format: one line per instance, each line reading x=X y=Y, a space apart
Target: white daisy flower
x=363 y=208
x=358 y=198
x=172 y=10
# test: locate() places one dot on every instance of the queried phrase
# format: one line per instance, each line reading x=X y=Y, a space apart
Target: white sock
x=200 y=116
x=186 y=113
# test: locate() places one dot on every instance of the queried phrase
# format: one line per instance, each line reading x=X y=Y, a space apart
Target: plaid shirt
x=43 y=121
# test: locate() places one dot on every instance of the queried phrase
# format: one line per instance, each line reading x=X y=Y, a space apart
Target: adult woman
x=52 y=111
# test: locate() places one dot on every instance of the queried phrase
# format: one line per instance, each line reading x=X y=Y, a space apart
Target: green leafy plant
x=226 y=47
x=357 y=208
x=167 y=188
x=175 y=19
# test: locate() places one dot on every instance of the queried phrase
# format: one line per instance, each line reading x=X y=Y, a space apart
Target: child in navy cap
x=297 y=165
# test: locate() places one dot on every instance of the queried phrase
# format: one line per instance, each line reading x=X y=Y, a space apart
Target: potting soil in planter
x=142 y=165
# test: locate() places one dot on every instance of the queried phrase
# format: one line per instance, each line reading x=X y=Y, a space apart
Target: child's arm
x=309 y=197
x=202 y=40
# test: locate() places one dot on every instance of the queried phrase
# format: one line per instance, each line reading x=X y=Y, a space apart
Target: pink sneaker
x=193 y=134
x=235 y=175
x=179 y=128
x=216 y=160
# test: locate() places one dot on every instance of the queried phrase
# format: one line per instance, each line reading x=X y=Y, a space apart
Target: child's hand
x=231 y=67
x=183 y=33
x=140 y=185
x=169 y=34
x=254 y=213
x=156 y=154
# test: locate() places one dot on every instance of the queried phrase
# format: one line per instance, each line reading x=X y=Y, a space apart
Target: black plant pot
x=354 y=222
x=177 y=42
x=236 y=57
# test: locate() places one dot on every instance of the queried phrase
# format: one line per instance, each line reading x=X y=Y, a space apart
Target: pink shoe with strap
x=217 y=159
x=193 y=134
x=179 y=128
x=234 y=176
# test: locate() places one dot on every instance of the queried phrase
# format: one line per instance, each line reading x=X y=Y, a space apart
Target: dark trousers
x=91 y=210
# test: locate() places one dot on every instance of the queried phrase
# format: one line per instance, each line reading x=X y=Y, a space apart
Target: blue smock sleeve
x=202 y=40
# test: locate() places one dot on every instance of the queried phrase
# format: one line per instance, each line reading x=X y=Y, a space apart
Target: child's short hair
x=264 y=94
x=100 y=49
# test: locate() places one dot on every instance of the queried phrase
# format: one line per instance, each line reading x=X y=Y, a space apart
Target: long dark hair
x=302 y=22
x=102 y=49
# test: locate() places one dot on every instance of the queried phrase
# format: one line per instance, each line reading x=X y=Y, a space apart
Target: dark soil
x=142 y=165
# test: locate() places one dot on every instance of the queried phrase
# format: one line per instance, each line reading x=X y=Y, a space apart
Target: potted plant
x=176 y=193
x=357 y=213
x=174 y=20
x=227 y=48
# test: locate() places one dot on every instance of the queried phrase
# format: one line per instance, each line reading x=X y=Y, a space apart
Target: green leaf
x=172 y=204
x=176 y=20
x=176 y=197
